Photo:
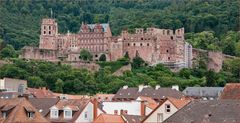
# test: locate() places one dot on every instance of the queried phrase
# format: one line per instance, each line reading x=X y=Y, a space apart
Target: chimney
x=125 y=87
x=157 y=87
x=140 y=87
x=176 y=87
x=142 y=108
x=95 y=108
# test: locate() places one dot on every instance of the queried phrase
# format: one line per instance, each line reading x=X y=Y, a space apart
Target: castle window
x=128 y=44
x=171 y=38
x=44 y=32
x=147 y=44
x=96 y=55
x=168 y=32
x=167 y=51
x=44 y=27
x=141 y=38
x=169 y=58
x=49 y=27
x=163 y=32
x=134 y=44
x=141 y=44
x=49 y=32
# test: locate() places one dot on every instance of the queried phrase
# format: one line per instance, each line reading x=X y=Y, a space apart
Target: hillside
x=207 y=23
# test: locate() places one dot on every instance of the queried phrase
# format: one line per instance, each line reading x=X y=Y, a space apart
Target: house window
x=134 y=44
x=169 y=58
x=125 y=111
x=140 y=44
x=128 y=44
x=85 y=115
x=30 y=114
x=67 y=114
x=54 y=114
x=49 y=27
x=44 y=27
x=159 y=117
x=116 y=112
x=4 y=115
x=147 y=44
x=167 y=108
x=44 y=32
x=167 y=51
x=49 y=32
x=171 y=37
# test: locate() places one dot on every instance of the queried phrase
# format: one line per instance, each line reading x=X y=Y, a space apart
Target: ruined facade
x=153 y=45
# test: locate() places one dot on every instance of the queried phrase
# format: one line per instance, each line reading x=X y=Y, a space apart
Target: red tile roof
x=40 y=93
x=77 y=105
x=109 y=118
x=231 y=91
x=18 y=108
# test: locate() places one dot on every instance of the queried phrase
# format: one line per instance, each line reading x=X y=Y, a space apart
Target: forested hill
x=210 y=24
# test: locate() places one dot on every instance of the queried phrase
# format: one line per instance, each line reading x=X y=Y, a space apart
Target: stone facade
x=153 y=45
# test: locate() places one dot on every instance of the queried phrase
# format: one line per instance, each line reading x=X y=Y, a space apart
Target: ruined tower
x=49 y=31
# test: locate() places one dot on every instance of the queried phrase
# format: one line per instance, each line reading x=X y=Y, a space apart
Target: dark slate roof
x=161 y=93
x=208 y=111
x=213 y=92
x=43 y=104
x=133 y=118
x=231 y=91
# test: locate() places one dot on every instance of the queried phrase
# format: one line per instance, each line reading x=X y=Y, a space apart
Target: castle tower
x=49 y=31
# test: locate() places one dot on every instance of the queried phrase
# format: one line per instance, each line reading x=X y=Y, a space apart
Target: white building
x=127 y=107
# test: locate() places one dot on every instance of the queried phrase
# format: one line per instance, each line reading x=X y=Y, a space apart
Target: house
x=104 y=97
x=165 y=110
x=41 y=92
x=203 y=92
x=150 y=104
x=15 y=85
x=124 y=107
x=19 y=110
x=208 y=111
x=109 y=118
x=43 y=105
x=157 y=94
x=231 y=91
x=74 y=111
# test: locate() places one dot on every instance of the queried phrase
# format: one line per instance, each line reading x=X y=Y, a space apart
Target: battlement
x=48 y=21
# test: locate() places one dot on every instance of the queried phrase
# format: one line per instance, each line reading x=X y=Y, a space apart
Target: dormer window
x=168 y=108
x=4 y=114
x=86 y=115
x=54 y=113
x=30 y=114
x=67 y=113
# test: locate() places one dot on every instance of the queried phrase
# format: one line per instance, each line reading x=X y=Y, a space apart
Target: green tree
x=85 y=55
x=36 y=82
x=103 y=57
x=126 y=55
x=211 y=78
x=137 y=62
x=59 y=86
x=8 y=52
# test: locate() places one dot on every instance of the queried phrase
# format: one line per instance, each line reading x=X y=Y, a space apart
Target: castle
x=152 y=45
